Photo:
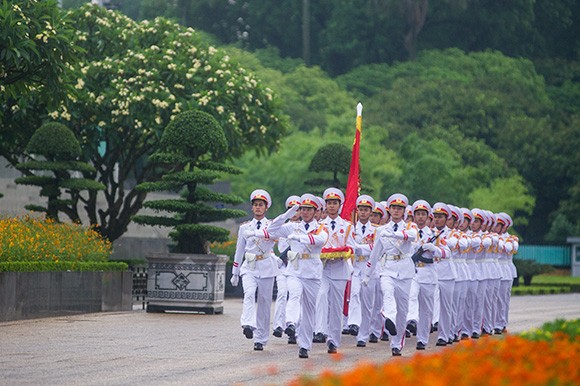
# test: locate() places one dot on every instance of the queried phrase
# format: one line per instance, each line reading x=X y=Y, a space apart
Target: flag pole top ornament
x=359 y=108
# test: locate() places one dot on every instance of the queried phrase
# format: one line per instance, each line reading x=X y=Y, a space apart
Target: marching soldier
x=378 y=218
x=362 y=298
x=463 y=273
x=472 y=285
x=479 y=243
x=446 y=273
x=282 y=294
x=337 y=270
x=391 y=255
x=490 y=306
x=304 y=270
x=258 y=269
x=426 y=276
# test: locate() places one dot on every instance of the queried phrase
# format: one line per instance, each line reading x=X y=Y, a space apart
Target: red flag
x=352 y=191
x=353 y=184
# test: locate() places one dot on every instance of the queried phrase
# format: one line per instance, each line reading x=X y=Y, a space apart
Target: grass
x=553 y=280
x=540 y=290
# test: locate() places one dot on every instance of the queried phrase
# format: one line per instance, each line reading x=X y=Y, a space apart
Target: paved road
x=135 y=347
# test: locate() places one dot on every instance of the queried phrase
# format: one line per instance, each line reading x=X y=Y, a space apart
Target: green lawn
x=555 y=280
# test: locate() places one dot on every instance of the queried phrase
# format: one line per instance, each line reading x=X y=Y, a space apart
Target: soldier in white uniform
x=426 y=276
x=473 y=283
x=304 y=270
x=511 y=245
x=391 y=255
x=282 y=294
x=378 y=217
x=258 y=269
x=490 y=306
x=505 y=247
x=446 y=273
x=463 y=274
x=336 y=256
x=479 y=243
x=362 y=298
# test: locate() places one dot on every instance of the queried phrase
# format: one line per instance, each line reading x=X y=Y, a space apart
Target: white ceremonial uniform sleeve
x=280 y=220
x=239 y=255
x=376 y=253
x=486 y=242
x=463 y=243
x=314 y=239
x=475 y=242
x=452 y=241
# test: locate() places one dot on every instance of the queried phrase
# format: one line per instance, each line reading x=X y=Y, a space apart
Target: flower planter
x=27 y=295
x=186 y=282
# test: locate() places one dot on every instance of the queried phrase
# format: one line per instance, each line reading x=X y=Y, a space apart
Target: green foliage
x=556 y=280
x=528 y=268
x=54 y=141
x=333 y=158
x=192 y=136
x=570 y=328
x=47 y=266
x=60 y=148
x=540 y=290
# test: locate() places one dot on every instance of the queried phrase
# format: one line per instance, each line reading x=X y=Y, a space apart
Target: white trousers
x=281 y=300
x=479 y=306
x=377 y=322
x=459 y=298
x=503 y=297
x=446 y=288
x=413 y=313
x=330 y=303
x=302 y=307
x=396 y=305
x=362 y=301
x=490 y=306
x=436 y=305
x=426 y=299
x=470 y=303
x=257 y=317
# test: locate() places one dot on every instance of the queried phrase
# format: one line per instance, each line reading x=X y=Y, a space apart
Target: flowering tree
x=134 y=78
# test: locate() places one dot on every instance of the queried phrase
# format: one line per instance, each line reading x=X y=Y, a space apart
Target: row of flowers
x=33 y=239
x=548 y=356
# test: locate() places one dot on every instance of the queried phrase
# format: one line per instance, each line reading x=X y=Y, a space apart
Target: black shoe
x=345 y=331
x=385 y=336
x=302 y=353
x=475 y=335
x=353 y=330
x=396 y=352
x=455 y=338
x=464 y=336
x=319 y=337
x=441 y=342
x=407 y=334
x=486 y=333
x=412 y=327
x=435 y=327
x=361 y=343
x=278 y=332
x=450 y=341
x=373 y=339
x=420 y=346
x=248 y=332
x=290 y=330
x=497 y=331
x=291 y=340
x=332 y=348
x=258 y=346
x=390 y=327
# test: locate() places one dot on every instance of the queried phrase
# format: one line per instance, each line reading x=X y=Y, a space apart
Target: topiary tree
x=334 y=158
x=191 y=148
x=60 y=149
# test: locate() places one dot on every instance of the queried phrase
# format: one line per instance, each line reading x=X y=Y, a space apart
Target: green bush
x=540 y=290
x=48 y=266
x=529 y=268
x=571 y=328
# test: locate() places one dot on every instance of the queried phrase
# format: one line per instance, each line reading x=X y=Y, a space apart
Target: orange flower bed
x=511 y=361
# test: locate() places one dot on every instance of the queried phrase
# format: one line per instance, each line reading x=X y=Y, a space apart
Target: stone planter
x=27 y=295
x=186 y=282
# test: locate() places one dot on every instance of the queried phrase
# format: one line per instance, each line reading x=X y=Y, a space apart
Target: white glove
x=279 y=262
x=235 y=280
x=291 y=211
x=429 y=247
x=294 y=236
x=388 y=233
x=248 y=233
x=365 y=280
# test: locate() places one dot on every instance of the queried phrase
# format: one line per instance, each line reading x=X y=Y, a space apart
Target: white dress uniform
x=259 y=267
x=391 y=255
x=281 y=285
x=506 y=246
x=483 y=283
x=472 y=286
x=304 y=270
x=446 y=275
x=490 y=306
x=458 y=257
x=362 y=298
x=335 y=274
x=426 y=278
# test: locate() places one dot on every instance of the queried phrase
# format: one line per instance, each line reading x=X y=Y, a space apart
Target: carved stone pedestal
x=186 y=282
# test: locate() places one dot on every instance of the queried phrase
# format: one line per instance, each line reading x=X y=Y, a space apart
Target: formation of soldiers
x=397 y=270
